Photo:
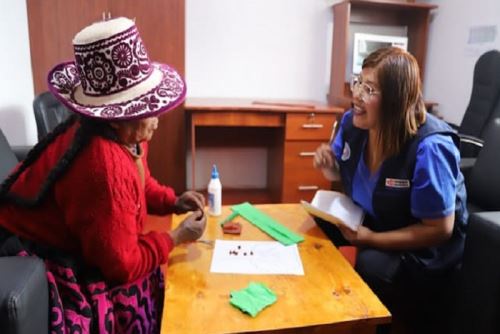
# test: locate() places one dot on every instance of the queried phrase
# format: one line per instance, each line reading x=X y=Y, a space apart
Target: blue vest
x=392 y=205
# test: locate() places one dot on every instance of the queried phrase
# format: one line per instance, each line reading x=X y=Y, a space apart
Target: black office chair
x=8 y=159
x=483 y=103
x=24 y=300
x=474 y=292
x=483 y=180
x=49 y=112
x=478 y=293
x=473 y=296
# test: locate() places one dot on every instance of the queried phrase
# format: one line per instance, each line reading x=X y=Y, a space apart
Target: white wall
x=450 y=61
x=16 y=83
x=254 y=49
x=257 y=48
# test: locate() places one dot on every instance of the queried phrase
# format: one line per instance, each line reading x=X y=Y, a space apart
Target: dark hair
x=87 y=129
x=402 y=108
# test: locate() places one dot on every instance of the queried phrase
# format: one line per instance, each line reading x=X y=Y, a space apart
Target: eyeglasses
x=365 y=91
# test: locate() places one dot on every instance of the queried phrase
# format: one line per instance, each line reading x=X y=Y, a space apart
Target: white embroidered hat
x=112 y=77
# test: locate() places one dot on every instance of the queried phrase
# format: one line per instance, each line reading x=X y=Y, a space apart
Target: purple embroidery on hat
x=73 y=73
x=170 y=92
x=99 y=72
x=151 y=101
x=142 y=57
x=65 y=80
x=135 y=109
x=140 y=50
x=113 y=64
x=111 y=111
x=170 y=87
x=122 y=55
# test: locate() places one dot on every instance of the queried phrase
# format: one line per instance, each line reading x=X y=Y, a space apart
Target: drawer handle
x=307 y=154
x=312 y=126
x=305 y=188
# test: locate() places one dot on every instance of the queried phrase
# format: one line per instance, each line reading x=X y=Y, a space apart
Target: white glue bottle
x=215 y=193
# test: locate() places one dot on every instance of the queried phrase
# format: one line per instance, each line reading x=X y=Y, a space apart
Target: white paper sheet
x=255 y=257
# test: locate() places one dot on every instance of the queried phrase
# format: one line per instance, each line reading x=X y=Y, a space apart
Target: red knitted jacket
x=96 y=210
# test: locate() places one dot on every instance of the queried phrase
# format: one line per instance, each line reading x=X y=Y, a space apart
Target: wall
x=258 y=48
x=254 y=49
x=16 y=84
x=450 y=61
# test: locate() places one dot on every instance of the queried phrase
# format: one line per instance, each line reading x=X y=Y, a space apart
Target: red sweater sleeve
x=160 y=199
x=101 y=199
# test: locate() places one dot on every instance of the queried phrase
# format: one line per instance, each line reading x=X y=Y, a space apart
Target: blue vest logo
x=346 y=153
x=397 y=183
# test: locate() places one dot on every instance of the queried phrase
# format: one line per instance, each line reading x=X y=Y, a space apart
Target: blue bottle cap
x=215 y=173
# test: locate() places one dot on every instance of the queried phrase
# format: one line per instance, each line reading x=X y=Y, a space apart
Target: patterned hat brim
x=168 y=93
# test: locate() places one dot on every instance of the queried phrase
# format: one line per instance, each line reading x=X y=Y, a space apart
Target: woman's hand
x=323 y=158
x=189 y=201
x=357 y=238
x=191 y=228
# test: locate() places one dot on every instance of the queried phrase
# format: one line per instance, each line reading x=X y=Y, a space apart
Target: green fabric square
x=253 y=298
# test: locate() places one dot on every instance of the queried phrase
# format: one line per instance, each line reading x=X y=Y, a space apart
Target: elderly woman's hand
x=323 y=158
x=191 y=228
x=189 y=201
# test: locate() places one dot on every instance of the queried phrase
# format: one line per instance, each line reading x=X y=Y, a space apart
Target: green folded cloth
x=266 y=224
x=253 y=298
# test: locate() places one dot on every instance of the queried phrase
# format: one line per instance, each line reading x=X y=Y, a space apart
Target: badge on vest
x=346 y=153
x=397 y=183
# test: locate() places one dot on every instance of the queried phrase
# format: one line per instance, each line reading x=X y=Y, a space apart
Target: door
x=52 y=26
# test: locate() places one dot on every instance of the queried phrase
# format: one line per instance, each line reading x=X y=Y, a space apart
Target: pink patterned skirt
x=81 y=301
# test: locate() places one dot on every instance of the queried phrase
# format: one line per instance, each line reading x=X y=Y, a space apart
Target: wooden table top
x=330 y=296
x=264 y=105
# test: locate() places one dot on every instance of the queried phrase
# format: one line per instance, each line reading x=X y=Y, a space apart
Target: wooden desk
x=329 y=298
x=290 y=130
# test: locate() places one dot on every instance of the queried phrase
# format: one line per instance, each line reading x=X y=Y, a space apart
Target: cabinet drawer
x=301 y=179
x=309 y=126
x=300 y=154
x=295 y=189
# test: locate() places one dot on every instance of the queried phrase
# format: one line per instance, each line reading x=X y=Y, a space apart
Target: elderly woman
x=81 y=197
x=401 y=165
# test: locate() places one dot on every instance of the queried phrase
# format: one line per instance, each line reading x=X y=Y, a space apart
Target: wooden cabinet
x=304 y=133
x=415 y=17
x=52 y=26
x=290 y=131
